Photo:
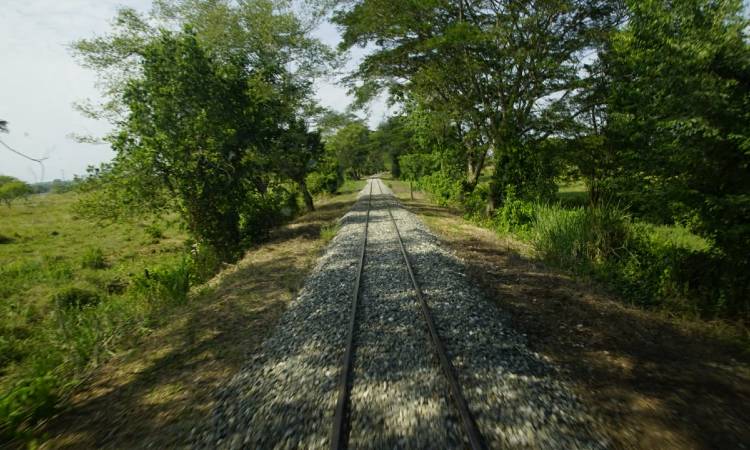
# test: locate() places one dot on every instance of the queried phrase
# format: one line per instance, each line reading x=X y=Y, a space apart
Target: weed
x=77 y=298
x=93 y=258
x=164 y=284
x=28 y=401
x=154 y=231
x=328 y=232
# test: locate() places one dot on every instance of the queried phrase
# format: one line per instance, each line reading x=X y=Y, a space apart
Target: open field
x=655 y=380
x=51 y=253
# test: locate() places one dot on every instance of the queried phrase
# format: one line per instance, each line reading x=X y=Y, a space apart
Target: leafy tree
x=679 y=117
x=392 y=139
x=499 y=73
x=351 y=145
x=300 y=151
x=205 y=118
x=12 y=189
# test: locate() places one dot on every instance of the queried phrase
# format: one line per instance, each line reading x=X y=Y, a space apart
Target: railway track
x=340 y=428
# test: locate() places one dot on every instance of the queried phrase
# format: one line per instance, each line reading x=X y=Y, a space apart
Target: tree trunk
x=475 y=169
x=306 y=195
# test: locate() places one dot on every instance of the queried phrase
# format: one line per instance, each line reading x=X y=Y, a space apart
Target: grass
x=152 y=394
x=65 y=299
x=573 y=193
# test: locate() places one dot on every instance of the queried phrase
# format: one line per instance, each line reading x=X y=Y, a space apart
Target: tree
x=392 y=139
x=351 y=146
x=12 y=189
x=299 y=152
x=679 y=116
x=498 y=72
x=3 y=126
x=197 y=129
x=201 y=115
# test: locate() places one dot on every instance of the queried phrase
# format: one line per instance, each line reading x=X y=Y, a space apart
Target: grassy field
x=74 y=293
x=66 y=297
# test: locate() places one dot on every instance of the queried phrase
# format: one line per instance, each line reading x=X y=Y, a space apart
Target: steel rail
x=339 y=433
x=472 y=432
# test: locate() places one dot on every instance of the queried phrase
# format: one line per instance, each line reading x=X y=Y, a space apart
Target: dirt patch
x=153 y=396
x=653 y=381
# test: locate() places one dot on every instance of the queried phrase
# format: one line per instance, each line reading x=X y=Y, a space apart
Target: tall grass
x=580 y=237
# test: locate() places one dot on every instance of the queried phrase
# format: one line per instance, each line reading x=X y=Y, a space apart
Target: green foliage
x=580 y=237
x=515 y=215
x=12 y=189
x=445 y=190
x=169 y=283
x=417 y=165
x=678 y=117
x=351 y=147
x=212 y=114
x=28 y=401
x=328 y=232
x=323 y=182
x=93 y=258
x=261 y=211
x=75 y=297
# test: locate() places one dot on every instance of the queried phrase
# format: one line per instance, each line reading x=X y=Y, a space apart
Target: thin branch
x=21 y=154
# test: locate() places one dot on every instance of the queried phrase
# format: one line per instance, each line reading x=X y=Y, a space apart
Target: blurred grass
x=573 y=193
x=64 y=300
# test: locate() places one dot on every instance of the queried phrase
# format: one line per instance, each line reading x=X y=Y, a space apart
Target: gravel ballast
x=285 y=397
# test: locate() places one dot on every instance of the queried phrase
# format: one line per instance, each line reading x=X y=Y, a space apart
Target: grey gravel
x=286 y=395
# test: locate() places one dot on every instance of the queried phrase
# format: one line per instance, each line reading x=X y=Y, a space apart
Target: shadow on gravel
x=653 y=382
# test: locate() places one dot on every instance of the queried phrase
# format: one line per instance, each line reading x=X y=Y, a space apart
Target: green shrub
x=318 y=183
x=579 y=237
x=26 y=403
x=75 y=298
x=475 y=202
x=154 y=231
x=5 y=239
x=261 y=212
x=205 y=262
x=93 y=258
x=328 y=232
x=515 y=215
x=445 y=190
x=164 y=284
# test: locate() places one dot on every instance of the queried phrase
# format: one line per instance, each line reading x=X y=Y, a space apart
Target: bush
x=261 y=212
x=155 y=232
x=76 y=298
x=328 y=232
x=515 y=214
x=26 y=403
x=93 y=258
x=445 y=190
x=5 y=239
x=205 y=262
x=475 y=202
x=318 y=183
x=579 y=237
x=164 y=284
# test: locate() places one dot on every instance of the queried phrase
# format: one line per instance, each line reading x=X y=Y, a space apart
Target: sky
x=40 y=81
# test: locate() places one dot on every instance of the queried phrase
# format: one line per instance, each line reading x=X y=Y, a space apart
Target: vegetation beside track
x=77 y=294
x=655 y=379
